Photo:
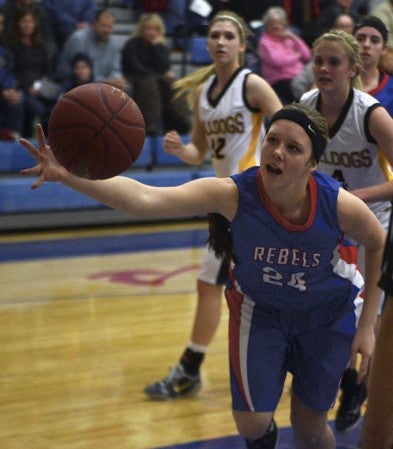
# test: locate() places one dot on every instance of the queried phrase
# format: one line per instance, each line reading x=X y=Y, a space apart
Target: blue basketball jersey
x=289 y=265
x=384 y=92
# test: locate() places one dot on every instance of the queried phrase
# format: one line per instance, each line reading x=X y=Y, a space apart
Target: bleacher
x=53 y=205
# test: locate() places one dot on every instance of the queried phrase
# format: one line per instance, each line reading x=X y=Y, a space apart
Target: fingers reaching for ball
x=47 y=168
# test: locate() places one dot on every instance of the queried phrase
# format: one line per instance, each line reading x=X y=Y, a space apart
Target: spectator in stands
x=98 y=42
x=67 y=16
x=326 y=20
x=30 y=61
x=302 y=15
x=344 y=22
x=11 y=100
x=146 y=65
x=384 y=11
x=82 y=72
x=248 y=9
x=12 y=7
x=282 y=53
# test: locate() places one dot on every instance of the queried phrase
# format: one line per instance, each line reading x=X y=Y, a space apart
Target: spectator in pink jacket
x=282 y=53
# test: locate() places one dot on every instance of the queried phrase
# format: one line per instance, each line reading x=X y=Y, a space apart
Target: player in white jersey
x=359 y=154
x=232 y=127
x=229 y=106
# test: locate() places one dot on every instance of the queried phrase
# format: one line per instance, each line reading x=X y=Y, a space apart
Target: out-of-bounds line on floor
x=103 y=243
x=344 y=440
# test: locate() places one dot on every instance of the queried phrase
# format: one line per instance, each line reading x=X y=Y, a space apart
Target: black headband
x=376 y=23
x=318 y=140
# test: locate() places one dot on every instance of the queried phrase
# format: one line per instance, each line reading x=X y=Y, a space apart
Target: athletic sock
x=191 y=361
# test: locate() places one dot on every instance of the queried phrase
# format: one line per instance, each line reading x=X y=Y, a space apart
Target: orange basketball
x=96 y=131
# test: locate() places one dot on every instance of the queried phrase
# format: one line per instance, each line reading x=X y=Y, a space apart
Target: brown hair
x=14 y=33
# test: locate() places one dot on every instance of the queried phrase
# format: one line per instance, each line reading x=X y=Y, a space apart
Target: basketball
x=96 y=131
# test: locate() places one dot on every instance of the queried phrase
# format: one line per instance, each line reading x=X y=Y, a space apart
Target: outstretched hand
x=47 y=168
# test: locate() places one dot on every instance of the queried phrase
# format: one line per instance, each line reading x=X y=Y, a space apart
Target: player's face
x=224 y=43
x=331 y=67
x=286 y=156
x=371 y=45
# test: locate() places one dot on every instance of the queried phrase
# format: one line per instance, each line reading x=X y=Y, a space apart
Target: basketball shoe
x=178 y=384
x=267 y=441
x=352 y=397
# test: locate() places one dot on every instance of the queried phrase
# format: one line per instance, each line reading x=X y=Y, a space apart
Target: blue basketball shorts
x=266 y=343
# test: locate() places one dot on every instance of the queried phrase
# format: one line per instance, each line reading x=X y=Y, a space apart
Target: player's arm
x=381 y=128
x=195 y=198
x=194 y=152
x=357 y=221
x=260 y=95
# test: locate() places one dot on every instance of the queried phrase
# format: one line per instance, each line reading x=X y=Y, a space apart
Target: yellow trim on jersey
x=249 y=160
x=385 y=166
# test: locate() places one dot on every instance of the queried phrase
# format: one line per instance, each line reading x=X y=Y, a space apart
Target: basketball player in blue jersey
x=294 y=291
x=230 y=105
x=372 y=35
x=359 y=154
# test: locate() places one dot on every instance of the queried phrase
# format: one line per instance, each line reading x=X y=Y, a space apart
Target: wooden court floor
x=88 y=317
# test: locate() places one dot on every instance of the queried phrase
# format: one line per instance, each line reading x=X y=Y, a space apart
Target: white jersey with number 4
x=352 y=155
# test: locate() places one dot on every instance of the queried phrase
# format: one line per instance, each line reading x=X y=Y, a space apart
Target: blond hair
x=350 y=46
x=150 y=19
x=188 y=84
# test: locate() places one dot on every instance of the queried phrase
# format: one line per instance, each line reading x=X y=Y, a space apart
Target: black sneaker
x=268 y=441
x=178 y=384
x=352 y=397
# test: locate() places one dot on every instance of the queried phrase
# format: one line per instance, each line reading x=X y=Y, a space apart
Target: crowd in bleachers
x=39 y=40
x=47 y=47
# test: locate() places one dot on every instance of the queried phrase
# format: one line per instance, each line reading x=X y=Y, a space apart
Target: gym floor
x=88 y=317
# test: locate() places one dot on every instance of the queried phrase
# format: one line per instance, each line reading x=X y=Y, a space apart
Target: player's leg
x=352 y=396
x=257 y=350
x=184 y=379
x=378 y=421
x=310 y=427
x=258 y=428
x=317 y=359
